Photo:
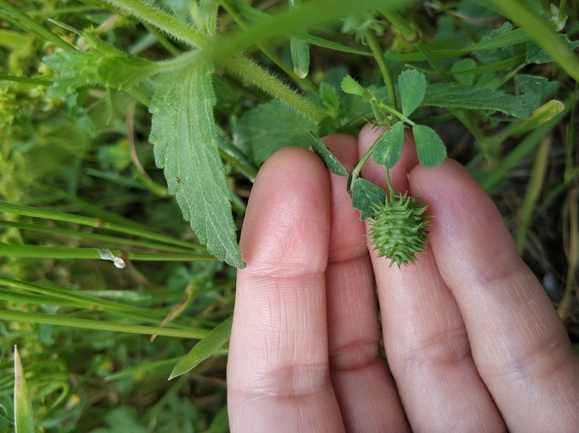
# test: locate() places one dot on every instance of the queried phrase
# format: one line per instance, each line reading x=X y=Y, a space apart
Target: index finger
x=278 y=370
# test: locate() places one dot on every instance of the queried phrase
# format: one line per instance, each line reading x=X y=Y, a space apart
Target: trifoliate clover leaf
x=351 y=86
x=412 y=90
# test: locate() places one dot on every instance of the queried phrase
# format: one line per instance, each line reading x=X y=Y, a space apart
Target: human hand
x=471 y=339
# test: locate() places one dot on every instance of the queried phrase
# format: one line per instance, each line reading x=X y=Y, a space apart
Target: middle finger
x=424 y=335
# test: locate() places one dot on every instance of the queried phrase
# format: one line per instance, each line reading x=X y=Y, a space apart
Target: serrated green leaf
x=183 y=131
x=388 y=147
x=270 y=127
x=455 y=95
x=23 y=414
x=329 y=159
x=330 y=99
x=77 y=69
x=204 y=348
x=412 y=90
x=364 y=195
x=429 y=147
x=535 y=88
x=351 y=86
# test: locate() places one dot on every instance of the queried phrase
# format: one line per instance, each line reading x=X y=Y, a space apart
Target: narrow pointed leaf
x=412 y=90
x=364 y=194
x=430 y=148
x=183 y=131
x=300 y=52
x=23 y=415
x=329 y=159
x=204 y=349
x=455 y=95
x=389 y=146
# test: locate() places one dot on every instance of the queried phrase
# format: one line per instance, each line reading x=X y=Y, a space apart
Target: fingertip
x=467 y=231
x=286 y=226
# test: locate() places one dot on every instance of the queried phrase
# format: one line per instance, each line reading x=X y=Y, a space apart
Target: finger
x=278 y=361
x=364 y=388
x=424 y=335
x=519 y=344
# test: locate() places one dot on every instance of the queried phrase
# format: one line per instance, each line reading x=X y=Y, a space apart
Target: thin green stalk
x=94 y=236
x=163 y=40
x=78 y=300
x=244 y=68
x=25 y=80
x=94 y=222
x=384 y=69
x=61 y=11
x=562 y=9
x=305 y=82
x=35 y=27
x=411 y=35
x=49 y=319
x=39 y=252
x=533 y=191
x=163 y=21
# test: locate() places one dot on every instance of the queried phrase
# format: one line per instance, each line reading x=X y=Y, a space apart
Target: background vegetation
x=87 y=86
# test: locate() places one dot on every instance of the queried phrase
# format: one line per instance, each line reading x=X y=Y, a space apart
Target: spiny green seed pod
x=399 y=228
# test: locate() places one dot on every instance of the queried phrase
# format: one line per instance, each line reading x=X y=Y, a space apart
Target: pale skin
x=472 y=342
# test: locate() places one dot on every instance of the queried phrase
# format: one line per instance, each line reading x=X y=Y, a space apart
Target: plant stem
x=163 y=21
x=246 y=69
x=39 y=252
x=94 y=222
x=94 y=236
x=384 y=69
x=305 y=82
x=48 y=319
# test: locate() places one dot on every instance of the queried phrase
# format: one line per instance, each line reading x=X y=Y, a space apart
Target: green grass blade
x=39 y=252
x=204 y=349
x=311 y=15
x=74 y=322
x=533 y=191
x=93 y=222
x=23 y=415
x=541 y=34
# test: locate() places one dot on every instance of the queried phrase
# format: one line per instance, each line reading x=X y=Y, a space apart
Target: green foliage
x=412 y=90
x=137 y=127
x=389 y=145
x=208 y=345
x=186 y=147
x=269 y=127
x=455 y=95
x=23 y=414
x=77 y=69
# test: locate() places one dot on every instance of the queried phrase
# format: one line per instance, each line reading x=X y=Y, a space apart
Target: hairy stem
x=163 y=21
x=245 y=69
